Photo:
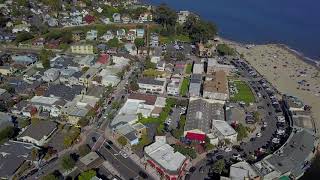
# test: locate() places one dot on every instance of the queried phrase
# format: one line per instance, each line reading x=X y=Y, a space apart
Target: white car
x=265 y=124
x=123 y=154
x=281 y=119
x=236 y=156
x=276 y=140
x=258 y=135
x=280 y=131
x=259 y=95
x=228 y=149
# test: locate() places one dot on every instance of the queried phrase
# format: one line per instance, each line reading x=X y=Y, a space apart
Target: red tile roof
x=103 y=59
x=195 y=136
x=149 y=99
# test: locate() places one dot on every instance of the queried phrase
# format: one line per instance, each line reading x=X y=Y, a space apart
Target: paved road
x=127 y=167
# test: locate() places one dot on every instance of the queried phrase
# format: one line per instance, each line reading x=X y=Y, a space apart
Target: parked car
x=143 y=175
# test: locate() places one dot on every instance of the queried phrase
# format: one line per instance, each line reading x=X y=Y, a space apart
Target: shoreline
x=298 y=54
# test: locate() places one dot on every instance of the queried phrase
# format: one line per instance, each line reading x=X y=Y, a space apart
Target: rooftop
x=12 y=155
x=39 y=129
x=223 y=128
x=148 y=99
x=294 y=154
x=201 y=113
x=164 y=155
x=218 y=84
x=152 y=81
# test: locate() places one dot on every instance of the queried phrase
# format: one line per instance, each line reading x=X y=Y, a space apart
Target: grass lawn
x=244 y=93
x=184 y=87
x=169 y=39
x=189 y=69
x=152 y=73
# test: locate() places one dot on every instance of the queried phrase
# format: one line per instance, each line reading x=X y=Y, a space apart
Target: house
x=51 y=75
x=92 y=35
x=12 y=155
x=206 y=118
x=121 y=33
x=38 y=133
x=24 y=108
x=79 y=107
x=182 y=17
x=161 y=157
x=109 y=76
x=20 y=28
x=150 y=85
x=7 y=37
x=195 y=85
x=70 y=76
x=214 y=66
x=82 y=49
x=64 y=92
x=131 y=35
x=86 y=78
x=173 y=87
x=131 y=132
x=126 y=19
x=107 y=36
x=136 y=104
x=155 y=59
x=217 y=88
x=89 y=19
x=7 y=70
x=140 y=33
x=103 y=58
x=198 y=68
x=38 y=42
x=5 y=98
x=85 y=61
x=116 y=18
x=52 y=105
x=145 y=17
x=161 y=65
x=77 y=36
x=23 y=59
x=205 y=51
x=154 y=40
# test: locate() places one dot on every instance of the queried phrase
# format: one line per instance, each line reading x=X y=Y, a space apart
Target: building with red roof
x=104 y=58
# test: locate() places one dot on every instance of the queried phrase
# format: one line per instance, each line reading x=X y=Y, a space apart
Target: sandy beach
x=287 y=72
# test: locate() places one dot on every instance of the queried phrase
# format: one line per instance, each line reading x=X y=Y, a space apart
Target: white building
x=182 y=16
x=49 y=104
x=150 y=85
x=162 y=157
x=51 y=75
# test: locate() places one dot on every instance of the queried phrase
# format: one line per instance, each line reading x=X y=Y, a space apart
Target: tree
x=23 y=36
x=139 y=42
x=180 y=56
x=113 y=43
x=165 y=16
x=208 y=146
x=67 y=162
x=199 y=30
x=84 y=150
x=149 y=64
x=87 y=175
x=224 y=49
x=242 y=132
x=218 y=166
x=7 y=133
x=44 y=58
x=122 y=141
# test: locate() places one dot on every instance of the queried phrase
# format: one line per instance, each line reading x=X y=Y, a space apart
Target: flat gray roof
x=293 y=155
x=201 y=113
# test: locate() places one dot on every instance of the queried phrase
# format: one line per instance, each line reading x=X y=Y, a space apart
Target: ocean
x=295 y=23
